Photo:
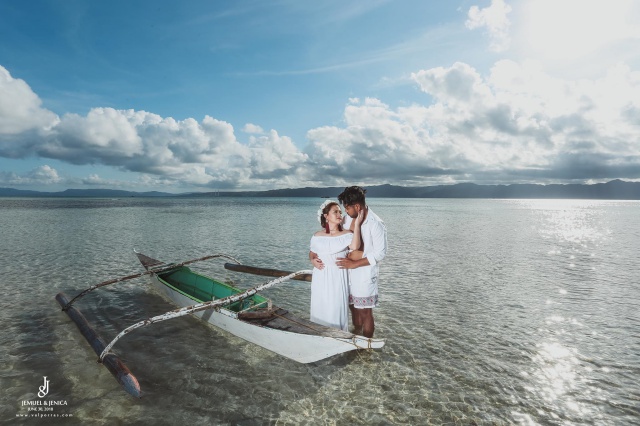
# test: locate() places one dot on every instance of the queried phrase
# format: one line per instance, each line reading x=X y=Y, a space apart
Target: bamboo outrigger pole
x=141 y=274
x=199 y=307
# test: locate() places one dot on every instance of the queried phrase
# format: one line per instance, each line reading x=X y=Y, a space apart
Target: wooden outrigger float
x=242 y=313
x=111 y=361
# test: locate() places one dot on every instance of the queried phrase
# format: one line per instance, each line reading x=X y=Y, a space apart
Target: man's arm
x=377 y=253
x=346 y=263
x=379 y=239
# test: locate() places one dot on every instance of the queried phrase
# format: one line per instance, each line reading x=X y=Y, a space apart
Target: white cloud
x=253 y=129
x=20 y=108
x=376 y=144
x=494 y=18
x=43 y=175
x=519 y=119
x=459 y=84
x=187 y=151
x=274 y=156
x=103 y=133
x=514 y=124
x=96 y=180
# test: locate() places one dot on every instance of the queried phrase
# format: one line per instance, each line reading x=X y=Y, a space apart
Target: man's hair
x=352 y=195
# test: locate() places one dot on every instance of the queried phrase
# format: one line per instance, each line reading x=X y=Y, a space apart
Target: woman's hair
x=352 y=195
x=323 y=220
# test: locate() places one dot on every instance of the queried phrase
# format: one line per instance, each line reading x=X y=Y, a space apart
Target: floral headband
x=325 y=204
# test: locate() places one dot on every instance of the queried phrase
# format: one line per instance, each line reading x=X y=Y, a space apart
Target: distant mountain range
x=614 y=190
x=96 y=193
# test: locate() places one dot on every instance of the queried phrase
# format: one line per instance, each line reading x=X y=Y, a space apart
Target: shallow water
x=494 y=311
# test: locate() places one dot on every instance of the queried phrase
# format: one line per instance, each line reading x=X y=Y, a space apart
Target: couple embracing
x=345 y=255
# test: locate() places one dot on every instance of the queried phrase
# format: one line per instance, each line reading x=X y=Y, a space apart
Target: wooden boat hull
x=278 y=331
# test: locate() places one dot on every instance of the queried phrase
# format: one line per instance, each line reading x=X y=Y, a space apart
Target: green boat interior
x=204 y=289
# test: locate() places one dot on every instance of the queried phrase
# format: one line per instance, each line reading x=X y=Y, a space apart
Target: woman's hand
x=358 y=220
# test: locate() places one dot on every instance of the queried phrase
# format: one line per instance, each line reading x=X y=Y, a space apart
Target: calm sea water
x=494 y=311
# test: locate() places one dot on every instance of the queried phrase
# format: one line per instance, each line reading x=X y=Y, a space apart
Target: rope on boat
x=149 y=272
x=199 y=307
x=369 y=341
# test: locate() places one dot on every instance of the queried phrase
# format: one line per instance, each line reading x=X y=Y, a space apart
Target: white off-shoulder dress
x=330 y=285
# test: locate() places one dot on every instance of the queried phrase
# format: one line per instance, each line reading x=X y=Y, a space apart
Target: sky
x=199 y=95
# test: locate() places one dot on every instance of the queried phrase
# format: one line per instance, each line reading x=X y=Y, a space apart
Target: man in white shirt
x=363 y=267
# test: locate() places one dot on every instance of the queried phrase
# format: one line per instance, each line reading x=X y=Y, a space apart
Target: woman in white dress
x=330 y=285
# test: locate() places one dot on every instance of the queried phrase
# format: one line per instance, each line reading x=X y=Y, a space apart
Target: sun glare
x=563 y=30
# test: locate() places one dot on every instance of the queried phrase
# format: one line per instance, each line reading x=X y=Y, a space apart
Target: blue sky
x=242 y=95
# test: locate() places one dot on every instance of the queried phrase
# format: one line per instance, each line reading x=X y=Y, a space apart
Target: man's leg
x=366 y=320
x=355 y=317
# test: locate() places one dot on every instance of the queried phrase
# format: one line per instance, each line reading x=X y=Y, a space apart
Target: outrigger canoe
x=245 y=314
x=254 y=318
